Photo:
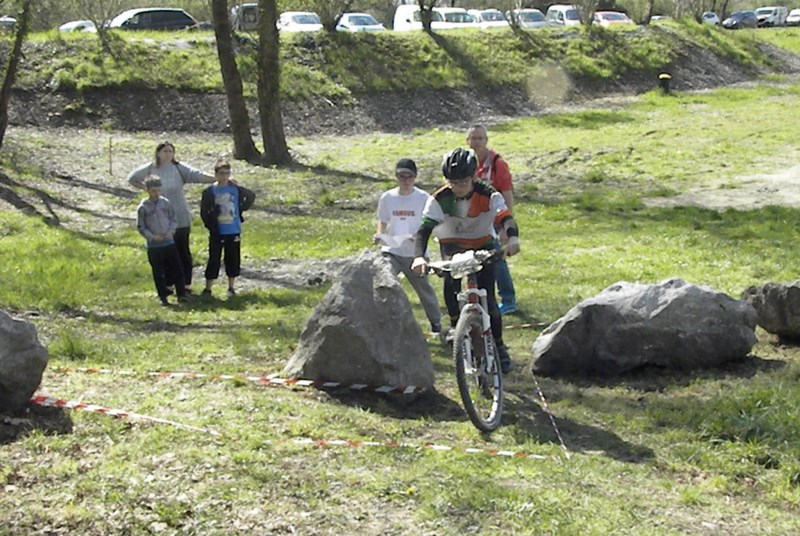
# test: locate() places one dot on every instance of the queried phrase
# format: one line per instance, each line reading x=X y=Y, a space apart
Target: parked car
x=299 y=21
x=610 y=18
x=741 y=19
x=244 y=17
x=7 y=23
x=709 y=17
x=771 y=16
x=489 y=18
x=528 y=18
x=563 y=15
x=153 y=18
x=78 y=26
x=359 y=22
x=408 y=17
x=793 y=18
x=456 y=17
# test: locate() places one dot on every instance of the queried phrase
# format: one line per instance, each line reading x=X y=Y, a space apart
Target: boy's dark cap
x=152 y=182
x=406 y=165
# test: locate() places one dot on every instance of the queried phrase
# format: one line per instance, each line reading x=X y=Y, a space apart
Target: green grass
x=337 y=66
x=651 y=453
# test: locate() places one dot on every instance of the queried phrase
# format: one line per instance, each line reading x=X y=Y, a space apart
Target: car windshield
x=531 y=16
x=362 y=20
x=572 y=14
x=765 y=11
x=709 y=15
x=492 y=16
x=458 y=17
x=306 y=18
x=794 y=12
x=613 y=16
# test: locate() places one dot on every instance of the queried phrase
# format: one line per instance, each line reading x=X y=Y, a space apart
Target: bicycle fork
x=473 y=301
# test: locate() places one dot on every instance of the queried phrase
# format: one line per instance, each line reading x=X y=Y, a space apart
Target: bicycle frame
x=473 y=299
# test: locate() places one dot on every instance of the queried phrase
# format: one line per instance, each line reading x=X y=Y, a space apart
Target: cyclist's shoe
x=447 y=336
x=507 y=308
x=506 y=365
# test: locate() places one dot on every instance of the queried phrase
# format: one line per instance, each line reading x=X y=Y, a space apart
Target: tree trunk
x=11 y=69
x=269 y=70
x=244 y=148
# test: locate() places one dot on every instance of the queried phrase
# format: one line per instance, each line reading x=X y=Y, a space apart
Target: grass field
x=649 y=453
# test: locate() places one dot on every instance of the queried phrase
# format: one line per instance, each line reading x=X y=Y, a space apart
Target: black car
x=741 y=19
x=153 y=18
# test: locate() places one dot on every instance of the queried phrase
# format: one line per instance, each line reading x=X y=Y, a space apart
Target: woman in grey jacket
x=174 y=175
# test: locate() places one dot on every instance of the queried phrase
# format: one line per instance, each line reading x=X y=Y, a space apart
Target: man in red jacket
x=494 y=170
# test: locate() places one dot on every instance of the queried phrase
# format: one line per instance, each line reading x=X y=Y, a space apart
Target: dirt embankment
x=172 y=110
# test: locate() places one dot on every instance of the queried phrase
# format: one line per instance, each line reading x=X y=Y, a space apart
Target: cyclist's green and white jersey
x=468 y=223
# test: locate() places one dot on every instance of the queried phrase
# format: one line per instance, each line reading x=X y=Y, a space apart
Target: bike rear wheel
x=480 y=381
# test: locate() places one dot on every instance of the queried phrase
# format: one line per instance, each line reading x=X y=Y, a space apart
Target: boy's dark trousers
x=181 y=238
x=164 y=260
x=231 y=245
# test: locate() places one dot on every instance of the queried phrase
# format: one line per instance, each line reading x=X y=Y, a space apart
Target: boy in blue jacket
x=221 y=208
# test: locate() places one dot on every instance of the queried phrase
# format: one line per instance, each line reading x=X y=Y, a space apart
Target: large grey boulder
x=778 y=307
x=22 y=362
x=670 y=324
x=363 y=331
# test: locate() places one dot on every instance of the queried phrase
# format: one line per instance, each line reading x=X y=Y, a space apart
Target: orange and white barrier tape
x=271 y=379
x=428 y=446
x=71 y=404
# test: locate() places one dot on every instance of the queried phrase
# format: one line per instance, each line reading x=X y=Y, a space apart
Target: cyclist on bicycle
x=462 y=215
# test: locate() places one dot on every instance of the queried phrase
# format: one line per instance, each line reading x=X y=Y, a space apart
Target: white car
x=78 y=26
x=299 y=21
x=489 y=18
x=793 y=19
x=563 y=15
x=610 y=18
x=456 y=17
x=528 y=18
x=709 y=17
x=359 y=22
x=7 y=23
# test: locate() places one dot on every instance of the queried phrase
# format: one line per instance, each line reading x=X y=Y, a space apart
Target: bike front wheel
x=480 y=381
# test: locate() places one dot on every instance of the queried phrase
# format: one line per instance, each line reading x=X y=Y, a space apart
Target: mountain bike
x=480 y=381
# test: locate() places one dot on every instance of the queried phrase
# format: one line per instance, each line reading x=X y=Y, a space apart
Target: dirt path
x=741 y=193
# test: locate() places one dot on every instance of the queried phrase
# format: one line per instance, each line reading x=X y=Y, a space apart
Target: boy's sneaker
x=206 y=292
x=164 y=301
x=447 y=336
x=507 y=308
x=184 y=298
x=436 y=328
x=506 y=365
x=231 y=293
x=170 y=290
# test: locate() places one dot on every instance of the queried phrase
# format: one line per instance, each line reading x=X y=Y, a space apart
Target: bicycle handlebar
x=462 y=264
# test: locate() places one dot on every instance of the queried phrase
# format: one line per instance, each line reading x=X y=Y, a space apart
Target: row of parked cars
x=407 y=17
x=763 y=17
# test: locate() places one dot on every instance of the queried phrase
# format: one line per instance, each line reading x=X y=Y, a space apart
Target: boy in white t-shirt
x=399 y=218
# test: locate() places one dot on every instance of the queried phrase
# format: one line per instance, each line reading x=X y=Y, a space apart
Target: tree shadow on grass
x=50 y=421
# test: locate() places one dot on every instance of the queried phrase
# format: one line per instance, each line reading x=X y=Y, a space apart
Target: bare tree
x=330 y=11
x=10 y=75
x=99 y=12
x=269 y=72
x=426 y=13
x=244 y=148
